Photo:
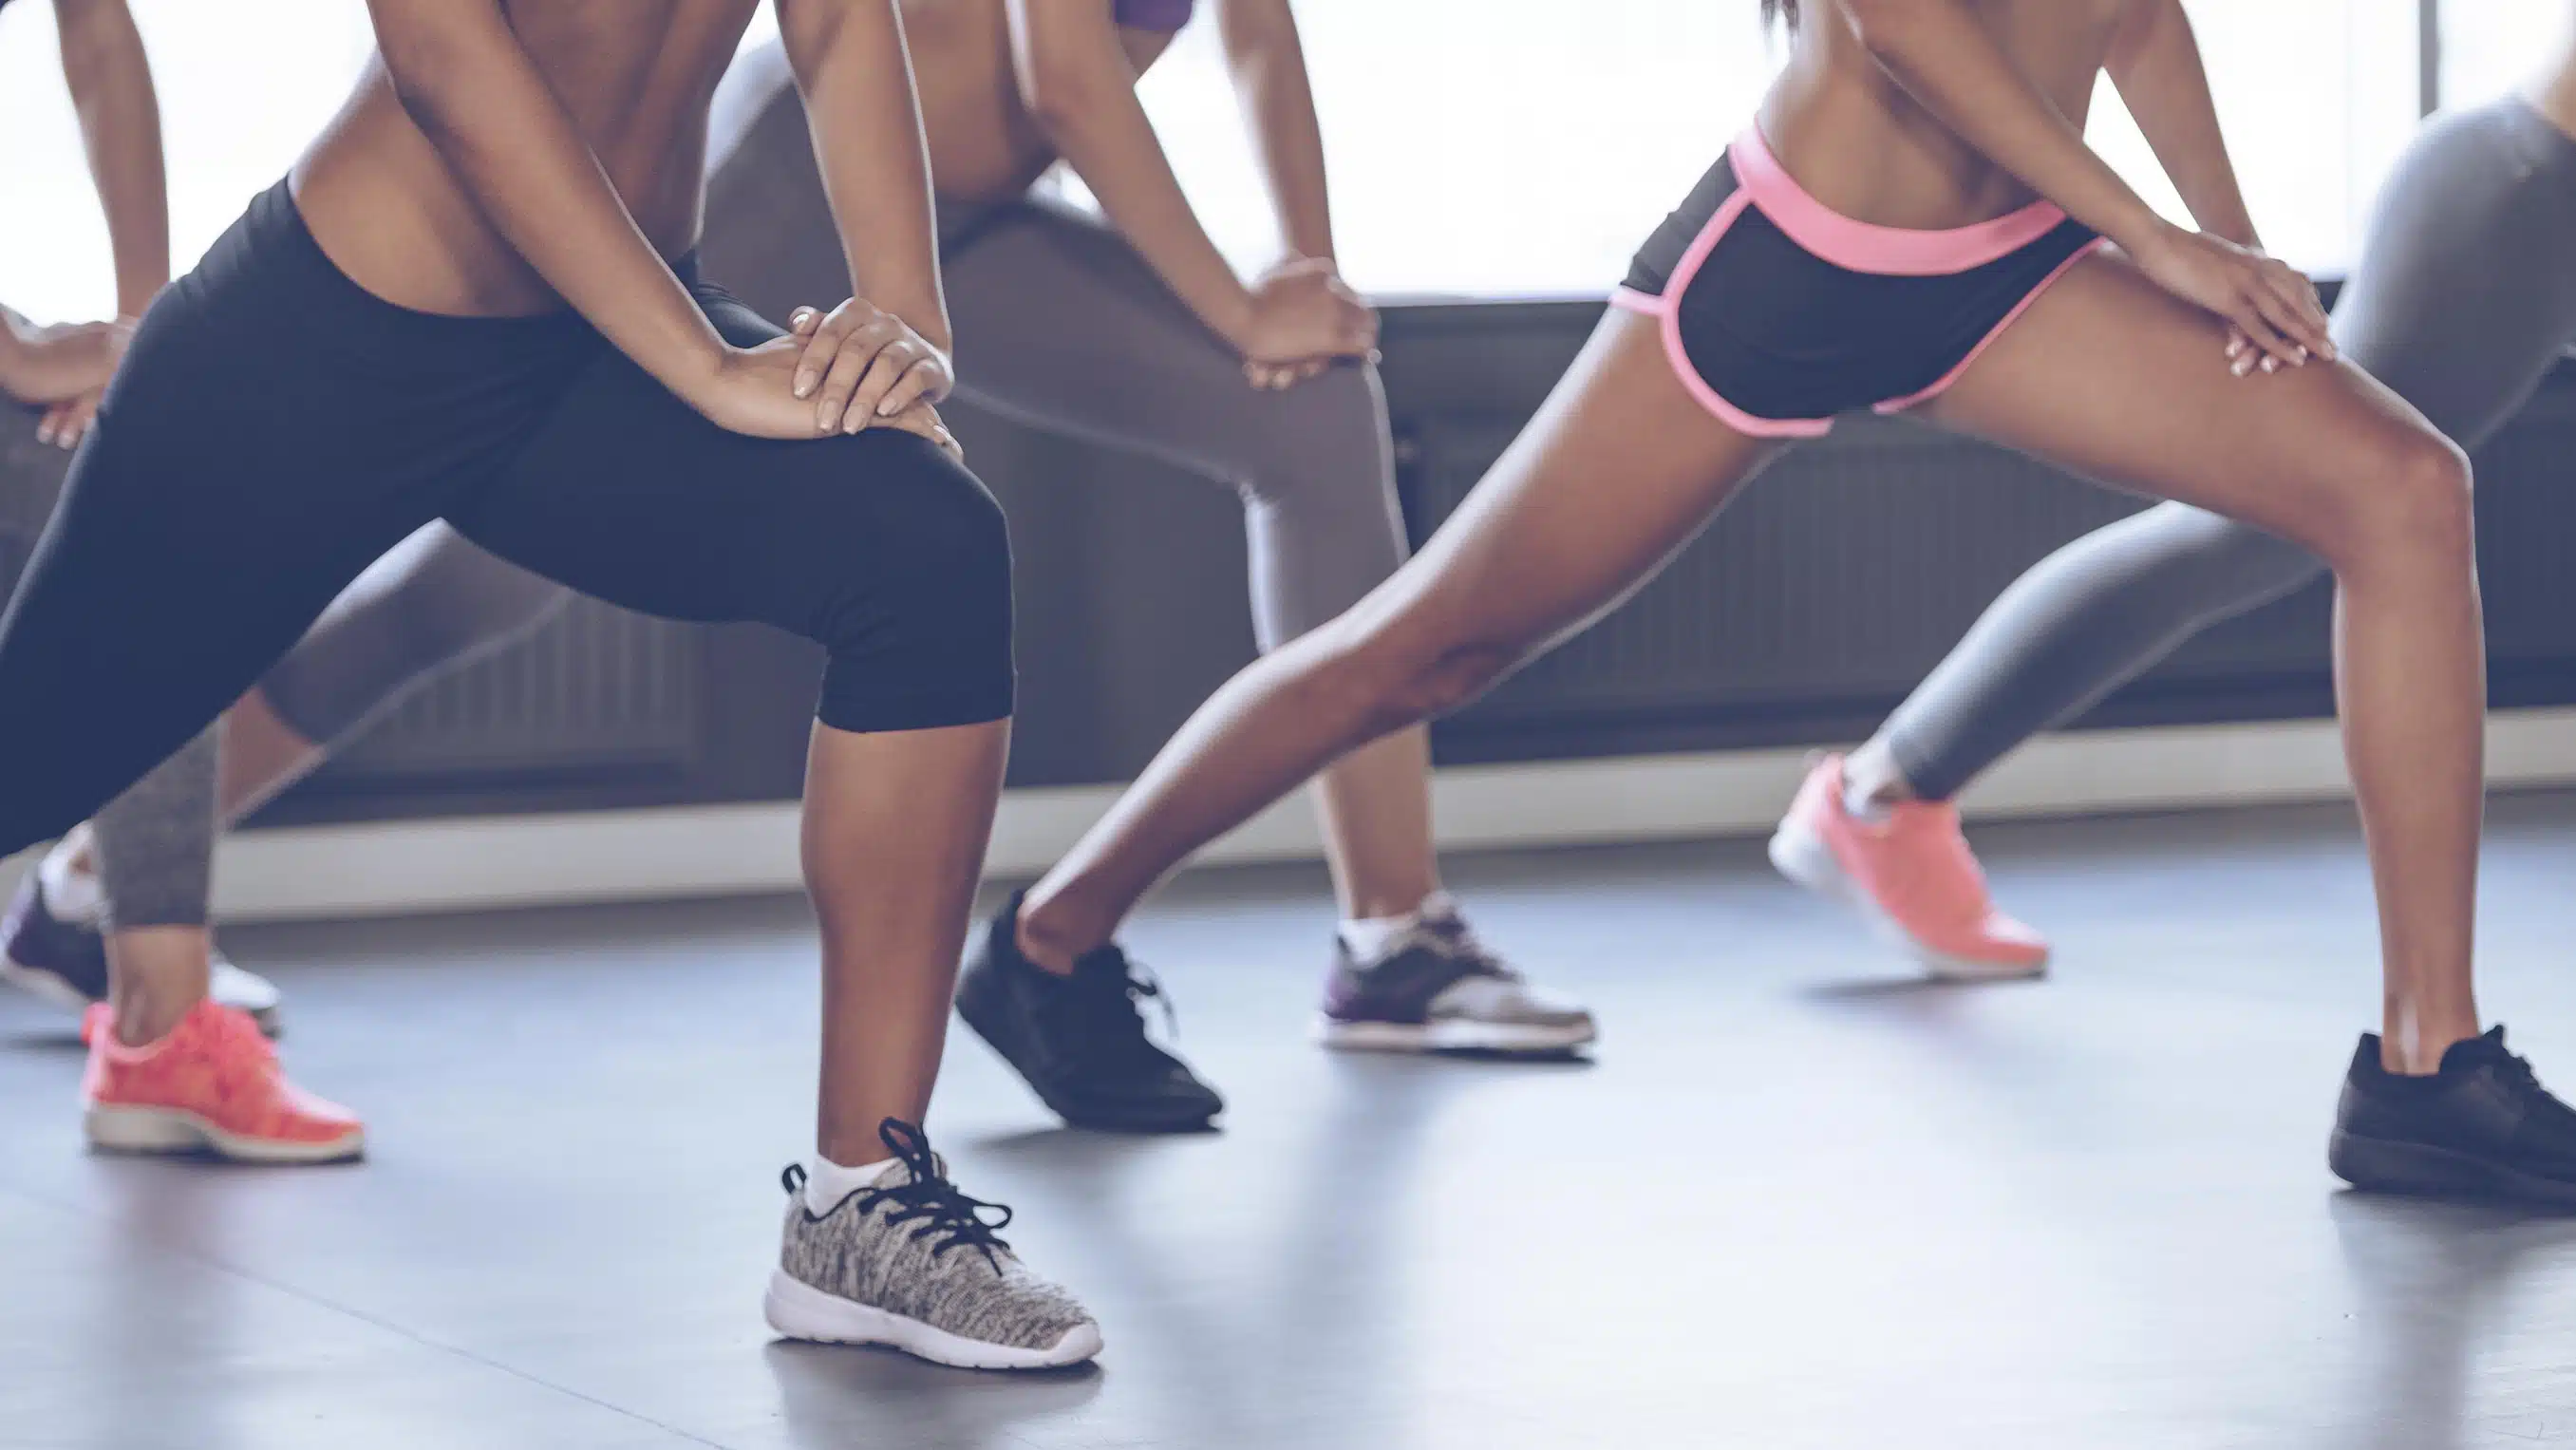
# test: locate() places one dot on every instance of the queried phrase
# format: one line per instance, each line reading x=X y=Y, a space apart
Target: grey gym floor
x=1800 y=1200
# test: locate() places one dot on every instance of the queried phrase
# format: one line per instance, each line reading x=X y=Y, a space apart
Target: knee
x=1403 y=675
x=2411 y=503
x=1324 y=442
x=918 y=617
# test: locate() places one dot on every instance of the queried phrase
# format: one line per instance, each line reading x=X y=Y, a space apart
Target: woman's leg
x=2110 y=377
x=150 y=912
x=162 y=847
x=1619 y=469
x=2464 y=297
x=432 y=604
x=895 y=559
x=1064 y=325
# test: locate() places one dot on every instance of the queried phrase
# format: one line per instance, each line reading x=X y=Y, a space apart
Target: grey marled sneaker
x=1436 y=988
x=910 y=1262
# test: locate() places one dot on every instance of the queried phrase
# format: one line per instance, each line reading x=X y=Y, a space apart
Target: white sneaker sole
x=798 y=1310
x=174 y=1130
x=1801 y=855
x=1453 y=1035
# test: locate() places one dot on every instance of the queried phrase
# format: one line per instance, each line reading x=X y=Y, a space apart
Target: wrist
x=2148 y=239
x=698 y=383
x=1231 y=315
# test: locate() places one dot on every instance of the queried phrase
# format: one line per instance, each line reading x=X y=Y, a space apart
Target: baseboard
x=463 y=864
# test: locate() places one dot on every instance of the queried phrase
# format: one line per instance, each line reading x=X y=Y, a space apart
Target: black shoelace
x=1101 y=1009
x=2517 y=1072
x=1454 y=939
x=939 y=1211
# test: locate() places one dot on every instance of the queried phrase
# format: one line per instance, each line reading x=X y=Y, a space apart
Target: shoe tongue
x=2475 y=1052
x=898 y=1173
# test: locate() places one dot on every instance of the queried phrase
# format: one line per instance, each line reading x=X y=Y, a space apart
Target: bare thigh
x=1620 y=468
x=2112 y=377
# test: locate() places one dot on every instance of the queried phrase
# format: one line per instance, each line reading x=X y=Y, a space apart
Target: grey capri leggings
x=1059 y=323
x=2464 y=298
x=432 y=603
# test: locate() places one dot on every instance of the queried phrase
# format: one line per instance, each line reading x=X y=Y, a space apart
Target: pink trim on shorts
x=1629 y=299
x=1899 y=405
x=1667 y=310
x=1865 y=247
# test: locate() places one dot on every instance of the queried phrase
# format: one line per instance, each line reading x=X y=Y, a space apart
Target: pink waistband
x=1864 y=247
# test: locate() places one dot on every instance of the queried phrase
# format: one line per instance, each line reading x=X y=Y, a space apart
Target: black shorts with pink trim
x=1779 y=313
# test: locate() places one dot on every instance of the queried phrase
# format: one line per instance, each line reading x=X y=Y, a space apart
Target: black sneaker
x=1080 y=1041
x=2482 y=1126
x=64 y=961
x=61 y=961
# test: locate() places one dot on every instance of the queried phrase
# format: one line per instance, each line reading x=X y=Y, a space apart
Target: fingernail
x=2243 y=366
x=2303 y=357
x=2271 y=364
x=887 y=409
x=2235 y=345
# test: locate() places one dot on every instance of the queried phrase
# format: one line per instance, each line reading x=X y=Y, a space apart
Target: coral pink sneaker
x=1911 y=875
x=212 y=1085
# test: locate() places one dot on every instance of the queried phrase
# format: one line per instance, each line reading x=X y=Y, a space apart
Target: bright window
x=244 y=85
x=1491 y=148
x=2492 y=46
x=1495 y=148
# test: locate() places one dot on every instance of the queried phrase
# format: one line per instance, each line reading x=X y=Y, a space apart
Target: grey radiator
x=595 y=689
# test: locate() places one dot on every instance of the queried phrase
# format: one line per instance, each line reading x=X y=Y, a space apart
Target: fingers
x=66 y=423
x=2296 y=293
x=1278 y=377
x=2268 y=349
x=826 y=338
x=924 y=382
x=922 y=421
x=876 y=386
x=850 y=368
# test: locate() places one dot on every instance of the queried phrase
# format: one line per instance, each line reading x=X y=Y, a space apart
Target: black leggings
x=275 y=428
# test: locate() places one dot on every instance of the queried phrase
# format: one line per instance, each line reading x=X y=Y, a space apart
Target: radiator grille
x=595 y=688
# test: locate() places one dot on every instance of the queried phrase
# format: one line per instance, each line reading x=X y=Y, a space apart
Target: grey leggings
x=2464 y=297
x=1060 y=323
x=434 y=601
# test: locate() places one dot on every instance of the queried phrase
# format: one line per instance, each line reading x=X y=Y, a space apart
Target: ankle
x=156 y=976
x=1872 y=778
x=2412 y=1041
x=144 y=1015
x=1045 y=938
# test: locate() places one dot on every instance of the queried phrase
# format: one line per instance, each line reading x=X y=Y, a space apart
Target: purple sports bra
x=1163 y=15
